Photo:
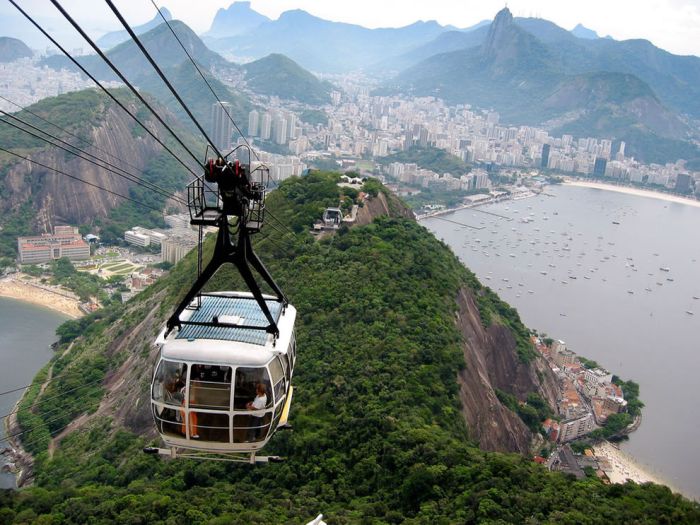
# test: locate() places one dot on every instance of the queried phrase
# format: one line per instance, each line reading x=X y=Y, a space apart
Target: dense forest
x=378 y=434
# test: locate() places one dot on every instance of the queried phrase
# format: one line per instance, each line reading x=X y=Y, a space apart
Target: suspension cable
x=80 y=180
x=45 y=399
x=112 y=168
x=194 y=63
x=99 y=84
x=68 y=132
x=104 y=57
x=160 y=73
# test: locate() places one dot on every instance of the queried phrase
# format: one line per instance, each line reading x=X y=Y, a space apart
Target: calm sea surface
x=615 y=276
x=26 y=333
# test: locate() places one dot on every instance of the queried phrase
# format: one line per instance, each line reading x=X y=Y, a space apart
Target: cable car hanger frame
x=239 y=196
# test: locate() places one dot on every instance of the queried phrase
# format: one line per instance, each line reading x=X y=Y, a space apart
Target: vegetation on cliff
x=430 y=158
x=378 y=433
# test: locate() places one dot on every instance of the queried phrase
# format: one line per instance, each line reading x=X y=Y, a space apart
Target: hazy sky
x=673 y=25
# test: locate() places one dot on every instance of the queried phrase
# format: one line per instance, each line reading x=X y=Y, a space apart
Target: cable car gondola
x=222 y=383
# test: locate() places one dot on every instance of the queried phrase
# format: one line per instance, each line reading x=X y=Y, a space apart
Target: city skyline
x=669 y=24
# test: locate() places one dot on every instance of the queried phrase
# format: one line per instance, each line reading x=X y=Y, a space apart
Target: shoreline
x=22 y=288
x=623 y=466
x=629 y=190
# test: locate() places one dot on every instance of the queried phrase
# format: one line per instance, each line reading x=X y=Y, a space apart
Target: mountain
x=165 y=50
x=114 y=38
x=35 y=198
x=583 y=32
x=159 y=42
x=674 y=79
x=324 y=46
x=238 y=19
x=177 y=68
x=12 y=49
x=387 y=424
x=280 y=76
x=531 y=80
x=443 y=43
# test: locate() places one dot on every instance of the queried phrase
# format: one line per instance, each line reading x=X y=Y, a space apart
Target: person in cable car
x=259 y=403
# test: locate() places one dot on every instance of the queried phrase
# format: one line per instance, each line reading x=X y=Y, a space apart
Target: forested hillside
x=378 y=435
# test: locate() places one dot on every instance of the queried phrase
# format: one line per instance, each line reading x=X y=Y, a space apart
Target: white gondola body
x=205 y=393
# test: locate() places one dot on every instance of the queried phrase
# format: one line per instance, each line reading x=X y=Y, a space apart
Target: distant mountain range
x=317 y=44
x=529 y=70
x=12 y=49
x=273 y=75
x=534 y=72
x=114 y=38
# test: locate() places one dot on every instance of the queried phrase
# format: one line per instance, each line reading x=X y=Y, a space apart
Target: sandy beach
x=624 y=467
x=633 y=191
x=22 y=287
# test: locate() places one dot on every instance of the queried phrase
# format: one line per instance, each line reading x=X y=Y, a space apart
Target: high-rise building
x=253 y=123
x=408 y=140
x=265 y=126
x=423 y=137
x=279 y=129
x=291 y=126
x=683 y=183
x=599 y=167
x=545 y=155
x=221 y=125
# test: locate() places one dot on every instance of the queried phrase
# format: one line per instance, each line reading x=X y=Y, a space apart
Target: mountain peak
x=237 y=19
x=498 y=31
x=580 y=31
x=504 y=16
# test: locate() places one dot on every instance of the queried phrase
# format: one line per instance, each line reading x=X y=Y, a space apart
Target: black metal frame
x=205 y=212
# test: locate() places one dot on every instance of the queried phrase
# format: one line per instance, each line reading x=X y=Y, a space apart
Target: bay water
x=26 y=334
x=617 y=277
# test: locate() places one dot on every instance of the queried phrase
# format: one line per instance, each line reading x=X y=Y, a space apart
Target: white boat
x=665 y=269
x=689 y=312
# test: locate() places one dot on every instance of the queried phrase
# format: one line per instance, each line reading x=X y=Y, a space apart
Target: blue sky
x=673 y=25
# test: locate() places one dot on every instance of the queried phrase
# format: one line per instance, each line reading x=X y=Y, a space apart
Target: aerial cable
x=79 y=179
x=281 y=223
x=97 y=82
x=45 y=399
x=125 y=174
x=68 y=132
x=52 y=435
x=42 y=423
x=54 y=378
x=121 y=76
x=194 y=63
x=160 y=73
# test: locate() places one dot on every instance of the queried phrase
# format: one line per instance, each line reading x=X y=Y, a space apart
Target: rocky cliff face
x=382 y=205
x=492 y=363
x=59 y=199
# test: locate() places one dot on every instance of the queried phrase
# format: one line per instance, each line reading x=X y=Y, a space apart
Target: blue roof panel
x=247 y=309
